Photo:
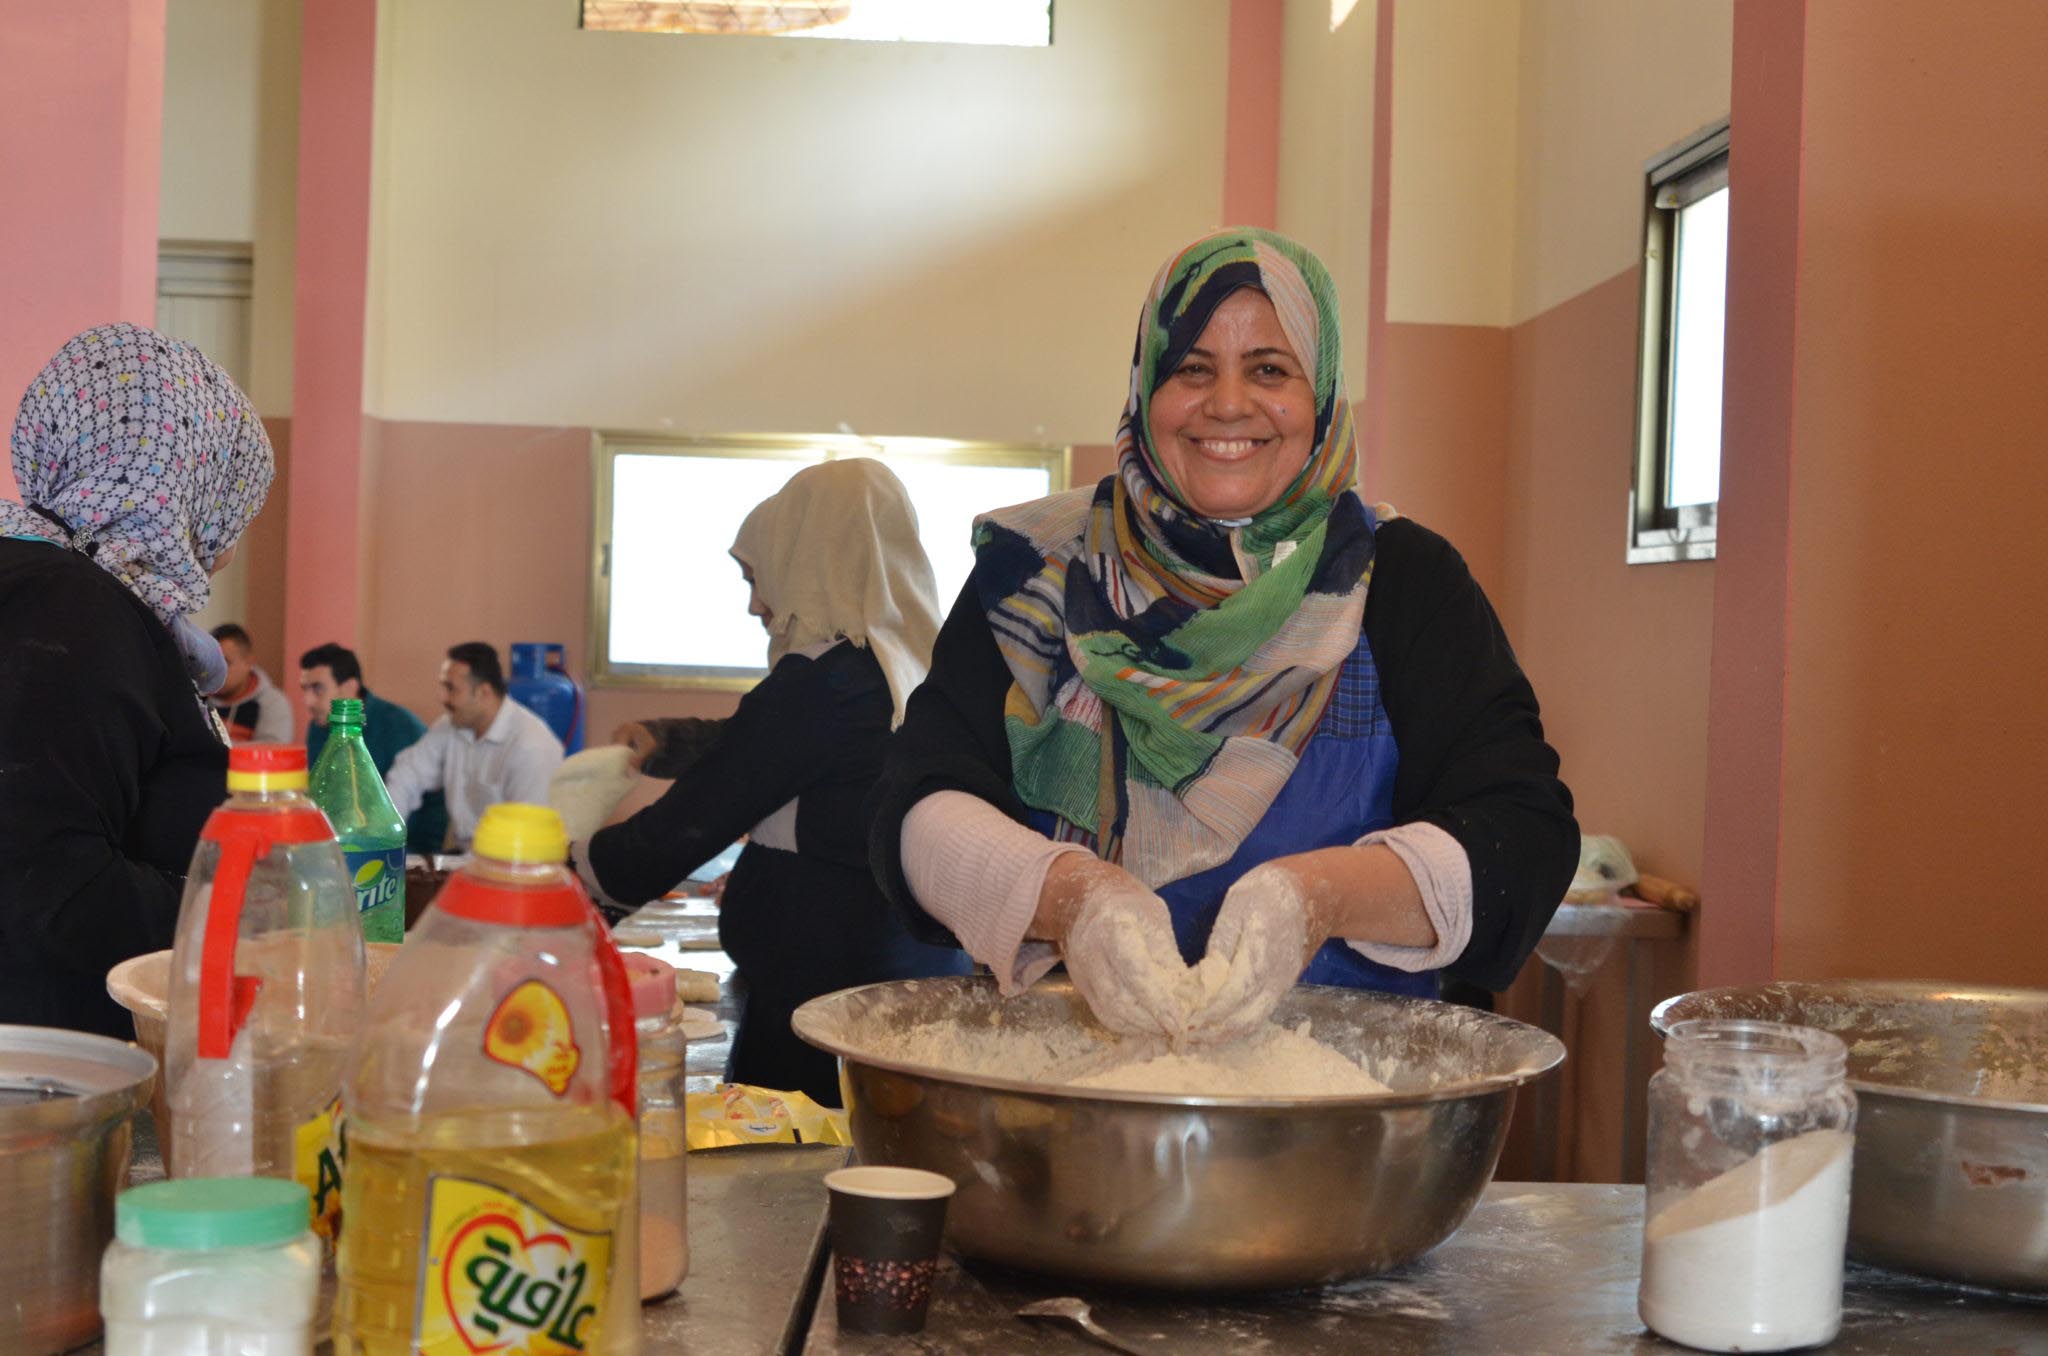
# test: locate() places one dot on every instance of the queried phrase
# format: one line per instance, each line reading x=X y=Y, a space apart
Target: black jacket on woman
x=1472 y=756
x=798 y=922
x=109 y=766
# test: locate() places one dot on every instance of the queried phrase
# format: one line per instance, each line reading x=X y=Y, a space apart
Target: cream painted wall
x=715 y=234
x=230 y=150
x=1451 y=219
x=1605 y=85
x=212 y=103
x=1326 y=143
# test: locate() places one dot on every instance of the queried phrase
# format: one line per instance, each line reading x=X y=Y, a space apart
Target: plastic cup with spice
x=1751 y=1129
x=664 y=1181
x=885 y=1225
x=205 y=1265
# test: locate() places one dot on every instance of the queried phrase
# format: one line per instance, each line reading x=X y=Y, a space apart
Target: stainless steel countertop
x=1538 y=1269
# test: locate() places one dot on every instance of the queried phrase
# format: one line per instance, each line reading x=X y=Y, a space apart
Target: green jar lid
x=346 y=710
x=211 y=1212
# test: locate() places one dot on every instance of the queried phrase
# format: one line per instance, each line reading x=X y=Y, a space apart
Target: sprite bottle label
x=379 y=875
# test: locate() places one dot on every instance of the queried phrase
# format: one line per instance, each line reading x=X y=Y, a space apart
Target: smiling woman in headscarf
x=1215 y=725
x=140 y=465
x=843 y=588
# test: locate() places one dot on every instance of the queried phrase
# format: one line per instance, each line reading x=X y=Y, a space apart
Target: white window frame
x=607 y=446
x=1676 y=178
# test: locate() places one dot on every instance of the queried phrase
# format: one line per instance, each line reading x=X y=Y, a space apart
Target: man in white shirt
x=486 y=748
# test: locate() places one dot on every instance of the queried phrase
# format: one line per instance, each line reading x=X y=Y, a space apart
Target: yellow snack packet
x=734 y=1113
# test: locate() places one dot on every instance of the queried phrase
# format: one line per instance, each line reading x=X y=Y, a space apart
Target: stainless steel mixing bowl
x=66 y=1101
x=1951 y=1168
x=1184 y=1192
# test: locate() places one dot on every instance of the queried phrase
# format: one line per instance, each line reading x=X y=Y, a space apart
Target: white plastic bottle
x=266 y=988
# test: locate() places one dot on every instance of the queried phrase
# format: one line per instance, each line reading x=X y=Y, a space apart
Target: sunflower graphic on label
x=503 y=1276
x=530 y=1030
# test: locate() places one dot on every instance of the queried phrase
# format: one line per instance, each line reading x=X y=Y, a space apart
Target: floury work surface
x=1538 y=1269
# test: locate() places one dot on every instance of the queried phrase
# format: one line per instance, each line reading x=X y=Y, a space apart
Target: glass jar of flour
x=1751 y=1129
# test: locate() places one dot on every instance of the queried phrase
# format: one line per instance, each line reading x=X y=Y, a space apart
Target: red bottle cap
x=267 y=758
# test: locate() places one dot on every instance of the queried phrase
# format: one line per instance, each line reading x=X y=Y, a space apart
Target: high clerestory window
x=1677 y=483
x=996 y=23
x=668 y=605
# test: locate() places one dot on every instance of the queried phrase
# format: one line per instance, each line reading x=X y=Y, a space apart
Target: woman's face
x=755 y=606
x=1234 y=423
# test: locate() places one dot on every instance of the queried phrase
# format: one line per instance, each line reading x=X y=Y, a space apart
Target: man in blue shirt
x=330 y=671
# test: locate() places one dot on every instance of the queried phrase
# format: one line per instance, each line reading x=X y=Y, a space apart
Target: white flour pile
x=1273 y=1062
x=1752 y=1260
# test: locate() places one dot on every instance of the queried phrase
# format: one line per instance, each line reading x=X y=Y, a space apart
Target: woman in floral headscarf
x=139 y=465
x=1216 y=712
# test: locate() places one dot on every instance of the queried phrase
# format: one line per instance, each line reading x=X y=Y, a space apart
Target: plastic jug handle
x=618 y=1015
x=225 y=997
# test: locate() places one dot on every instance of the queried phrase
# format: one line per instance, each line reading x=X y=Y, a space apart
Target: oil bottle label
x=501 y=1275
x=318 y=1151
x=530 y=1030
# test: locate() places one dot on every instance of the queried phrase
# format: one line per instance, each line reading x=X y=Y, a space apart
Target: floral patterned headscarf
x=136 y=450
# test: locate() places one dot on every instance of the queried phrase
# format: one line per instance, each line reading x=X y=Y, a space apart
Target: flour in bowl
x=1275 y=1061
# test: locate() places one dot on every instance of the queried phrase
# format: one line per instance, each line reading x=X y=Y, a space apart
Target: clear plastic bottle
x=1751 y=1133
x=664 y=1160
x=490 y=1193
x=345 y=785
x=210 y=1265
x=266 y=988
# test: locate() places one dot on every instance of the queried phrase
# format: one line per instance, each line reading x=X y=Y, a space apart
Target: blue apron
x=1342 y=789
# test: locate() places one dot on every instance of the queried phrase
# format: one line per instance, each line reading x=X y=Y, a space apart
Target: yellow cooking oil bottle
x=489 y=1198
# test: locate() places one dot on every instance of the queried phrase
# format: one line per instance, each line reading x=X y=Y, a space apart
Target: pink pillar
x=81 y=148
x=1251 y=144
x=337 y=85
x=1746 y=730
x=1373 y=417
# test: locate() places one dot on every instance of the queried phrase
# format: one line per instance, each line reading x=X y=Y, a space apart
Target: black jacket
x=109 y=766
x=1472 y=756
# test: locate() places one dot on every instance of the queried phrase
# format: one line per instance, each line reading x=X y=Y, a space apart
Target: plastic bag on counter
x=734 y=1113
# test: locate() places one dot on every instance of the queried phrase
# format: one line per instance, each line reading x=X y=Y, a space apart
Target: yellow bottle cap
x=521 y=834
x=266 y=767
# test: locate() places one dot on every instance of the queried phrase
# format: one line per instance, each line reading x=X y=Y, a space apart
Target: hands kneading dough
x=1262 y=941
x=1119 y=948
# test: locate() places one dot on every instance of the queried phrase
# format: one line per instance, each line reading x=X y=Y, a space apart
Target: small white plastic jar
x=211 y=1264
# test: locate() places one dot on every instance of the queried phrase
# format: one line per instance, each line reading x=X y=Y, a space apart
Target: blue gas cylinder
x=541 y=683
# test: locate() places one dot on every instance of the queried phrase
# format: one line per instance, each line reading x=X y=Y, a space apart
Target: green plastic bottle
x=346 y=786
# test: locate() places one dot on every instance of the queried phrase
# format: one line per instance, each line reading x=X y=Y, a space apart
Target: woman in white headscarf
x=140 y=465
x=845 y=592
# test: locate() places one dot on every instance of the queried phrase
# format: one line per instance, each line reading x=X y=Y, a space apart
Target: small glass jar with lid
x=1746 y=1218
x=211 y=1264
x=664 y=1180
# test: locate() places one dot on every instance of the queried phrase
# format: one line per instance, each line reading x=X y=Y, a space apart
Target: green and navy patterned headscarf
x=1160 y=698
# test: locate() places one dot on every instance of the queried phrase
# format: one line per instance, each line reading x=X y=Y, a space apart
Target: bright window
x=993 y=23
x=669 y=608
x=1677 y=483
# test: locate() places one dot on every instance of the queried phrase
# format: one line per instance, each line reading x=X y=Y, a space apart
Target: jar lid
x=212 y=1212
x=654 y=985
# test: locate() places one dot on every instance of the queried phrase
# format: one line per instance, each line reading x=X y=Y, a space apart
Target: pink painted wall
x=1444 y=411
x=81 y=119
x=337 y=87
x=1916 y=730
x=1251 y=147
x=1746 y=722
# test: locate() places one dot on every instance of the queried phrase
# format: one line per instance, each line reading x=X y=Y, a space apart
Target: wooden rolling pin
x=1665 y=894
